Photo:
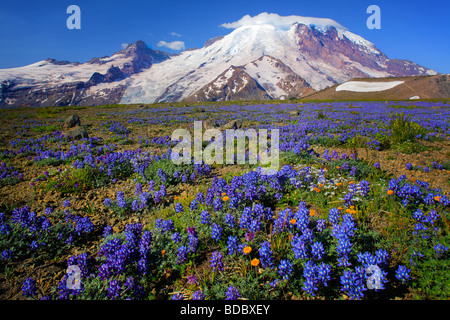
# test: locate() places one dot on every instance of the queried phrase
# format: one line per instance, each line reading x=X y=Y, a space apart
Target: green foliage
x=320 y=115
x=358 y=142
x=167 y=165
x=9 y=181
x=46 y=128
x=410 y=147
x=403 y=128
x=47 y=162
x=54 y=112
x=430 y=268
x=74 y=181
x=290 y=158
x=326 y=141
x=365 y=170
x=50 y=243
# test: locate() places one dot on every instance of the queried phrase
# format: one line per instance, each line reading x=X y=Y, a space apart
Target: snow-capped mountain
x=259 y=61
x=98 y=81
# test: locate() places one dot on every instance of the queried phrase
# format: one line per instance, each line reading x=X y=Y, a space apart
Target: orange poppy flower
x=437 y=198
x=293 y=221
x=312 y=212
x=226 y=198
x=255 y=262
x=247 y=250
x=224 y=193
x=390 y=192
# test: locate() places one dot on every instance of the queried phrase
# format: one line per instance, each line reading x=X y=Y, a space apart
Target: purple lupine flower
x=232 y=245
x=114 y=289
x=66 y=203
x=403 y=274
x=216 y=232
x=198 y=295
x=120 y=198
x=266 y=255
x=182 y=254
x=179 y=207
x=232 y=293
x=230 y=220
x=285 y=269
x=29 y=287
x=205 y=217
x=216 y=261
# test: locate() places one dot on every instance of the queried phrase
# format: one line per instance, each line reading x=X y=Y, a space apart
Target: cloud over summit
x=280 y=21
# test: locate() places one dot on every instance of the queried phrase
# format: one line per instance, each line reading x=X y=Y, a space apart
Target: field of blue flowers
x=359 y=209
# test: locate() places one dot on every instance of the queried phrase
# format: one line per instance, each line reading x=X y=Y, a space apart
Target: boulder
x=71 y=122
x=78 y=133
x=233 y=124
x=210 y=124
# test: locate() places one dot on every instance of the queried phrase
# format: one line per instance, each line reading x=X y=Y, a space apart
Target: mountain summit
x=319 y=55
x=262 y=58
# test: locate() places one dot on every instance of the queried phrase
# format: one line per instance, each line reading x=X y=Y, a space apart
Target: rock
x=202 y=110
x=210 y=124
x=72 y=122
x=78 y=133
x=112 y=74
x=234 y=124
x=95 y=79
x=294 y=113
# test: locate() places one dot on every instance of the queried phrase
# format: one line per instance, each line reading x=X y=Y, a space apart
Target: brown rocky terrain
x=423 y=87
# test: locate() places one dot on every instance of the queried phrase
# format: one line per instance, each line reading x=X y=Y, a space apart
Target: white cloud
x=280 y=21
x=174 y=45
x=124 y=45
x=175 y=34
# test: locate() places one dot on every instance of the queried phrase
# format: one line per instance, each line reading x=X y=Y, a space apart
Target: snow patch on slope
x=360 y=86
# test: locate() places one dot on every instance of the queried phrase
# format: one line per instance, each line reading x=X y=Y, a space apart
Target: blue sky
x=35 y=30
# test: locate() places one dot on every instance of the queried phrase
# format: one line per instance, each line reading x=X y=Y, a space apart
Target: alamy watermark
x=235 y=147
x=374 y=21
x=73 y=277
x=374 y=280
x=74 y=20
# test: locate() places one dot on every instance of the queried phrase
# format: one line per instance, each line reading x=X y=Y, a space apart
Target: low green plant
x=404 y=129
x=46 y=128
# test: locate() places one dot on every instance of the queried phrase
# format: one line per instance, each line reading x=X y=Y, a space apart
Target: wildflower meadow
x=359 y=208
